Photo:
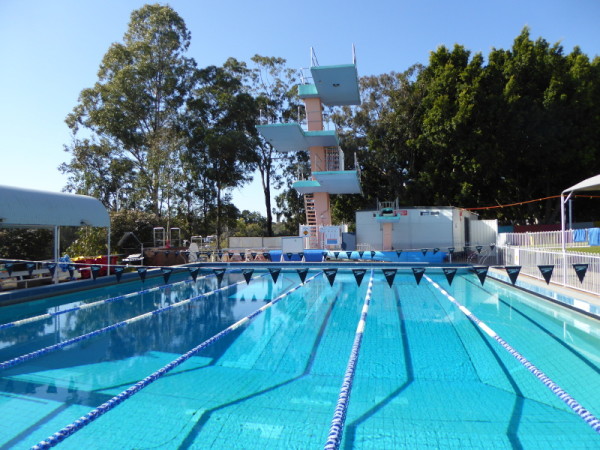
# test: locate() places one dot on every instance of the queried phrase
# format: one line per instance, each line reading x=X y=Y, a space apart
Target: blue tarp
x=594 y=236
x=579 y=235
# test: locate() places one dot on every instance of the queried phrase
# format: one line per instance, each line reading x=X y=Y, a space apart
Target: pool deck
x=582 y=301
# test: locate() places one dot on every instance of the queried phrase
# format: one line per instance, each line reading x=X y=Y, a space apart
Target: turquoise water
x=426 y=376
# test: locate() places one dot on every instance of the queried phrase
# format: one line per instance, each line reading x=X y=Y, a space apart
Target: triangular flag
x=167 y=252
x=30 y=266
x=9 y=268
x=449 y=272
x=186 y=253
x=95 y=271
x=336 y=254
x=198 y=255
x=253 y=255
x=330 y=274
x=418 y=273
x=248 y=274
x=267 y=256
x=580 y=270
x=424 y=251
x=372 y=254
x=230 y=255
x=466 y=248
x=451 y=250
x=359 y=274
x=166 y=271
x=220 y=255
x=243 y=256
x=398 y=253
x=289 y=255
x=302 y=273
x=141 y=272
x=481 y=273
x=219 y=274
x=324 y=254
x=176 y=252
x=546 y=272
x=71 y=269
x=275 y=274
x=435 y=250
x=118 y=272
x=479 y=248
x=301 y=255
x=492 y=247
x=360 y=254
x=194 y=272
x=390 y=274
x=349 y=255
x=51 y=267
x=513 y=273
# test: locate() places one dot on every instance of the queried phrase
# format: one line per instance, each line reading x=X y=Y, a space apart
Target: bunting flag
x=451 y=250
x=275 y=274
x=418 y=272
x=220 y=255
x=186 y=253
x=360 y=254
x=248 y=274
x=546 y=271
x=336 y=254
x=330 y=274
x=424 y=251
x=30 y=266
x=398 y=253
x=580 y=270
x=50 y=266
x=302 y=273
x=466 y=248
x=71 y=269
x=176 y=252
x=372 y=254
x=390 y=274
x=481 y=273
x=449 y=272
x=166 y=271
x=359 y=274
x=324 y=254
x=9 y=268
x=219 y=274
x=167 y=252
x=349 y=255
x=95 y=271
x=289 y=255
x=253 y=255
x=267 y=256
x=194 y=272
x=141 y=272
x=230 y=255
x=435 y=250
x=479 y=248
x=118 y=272
x=492 y=247
x=513 y=273
x=301 y=255
x=198 y=255
x=243 y=256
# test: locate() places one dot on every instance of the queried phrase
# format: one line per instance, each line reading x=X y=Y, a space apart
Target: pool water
x=426 y=377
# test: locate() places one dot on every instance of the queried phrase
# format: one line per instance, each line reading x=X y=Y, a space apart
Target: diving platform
x=290 y=137
x=332 y=182
x=334 y=85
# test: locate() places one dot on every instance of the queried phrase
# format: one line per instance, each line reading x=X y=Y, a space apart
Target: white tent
x=591 y=184
x=41 y=209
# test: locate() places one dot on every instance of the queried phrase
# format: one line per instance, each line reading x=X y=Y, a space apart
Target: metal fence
x=563 y=274
x=543 y=239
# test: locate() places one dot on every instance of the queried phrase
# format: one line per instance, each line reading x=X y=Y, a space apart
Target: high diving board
x=332 y=182
x=290 y=137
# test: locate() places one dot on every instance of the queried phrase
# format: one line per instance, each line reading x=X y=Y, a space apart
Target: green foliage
x=26 y=244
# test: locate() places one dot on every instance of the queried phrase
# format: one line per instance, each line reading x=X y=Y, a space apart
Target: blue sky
x=51 y=50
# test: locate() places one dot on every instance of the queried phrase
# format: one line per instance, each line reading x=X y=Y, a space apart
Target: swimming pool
x=426 y=375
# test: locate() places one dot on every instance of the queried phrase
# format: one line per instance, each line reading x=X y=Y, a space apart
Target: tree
x=132 y=112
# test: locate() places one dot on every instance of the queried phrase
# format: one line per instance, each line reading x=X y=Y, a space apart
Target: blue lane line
x=67 y=431
x=334 y=438
x=99 y=302
x=60 y=345
x=587 y=416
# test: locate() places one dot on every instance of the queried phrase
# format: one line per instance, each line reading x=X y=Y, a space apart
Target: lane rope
x=582 y=412
x=334 y=438
x=67 y=431
x=37 y=353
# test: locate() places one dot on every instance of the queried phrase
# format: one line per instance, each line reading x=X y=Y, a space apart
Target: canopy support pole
x=563 y=201
x=108 y=251
x=56 y=252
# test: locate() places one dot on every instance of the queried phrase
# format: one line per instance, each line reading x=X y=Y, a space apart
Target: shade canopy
x=591 y=184
x=31 y=208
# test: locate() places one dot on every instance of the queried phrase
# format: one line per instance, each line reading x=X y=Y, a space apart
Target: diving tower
x=331 y=86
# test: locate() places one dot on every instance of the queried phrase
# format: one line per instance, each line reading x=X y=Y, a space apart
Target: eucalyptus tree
x=132 y=111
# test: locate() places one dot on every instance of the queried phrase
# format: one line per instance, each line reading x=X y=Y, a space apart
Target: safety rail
x=542 y=239
x=563 y=274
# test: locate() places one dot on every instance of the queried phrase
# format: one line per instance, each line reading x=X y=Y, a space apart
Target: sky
x=51 y=50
